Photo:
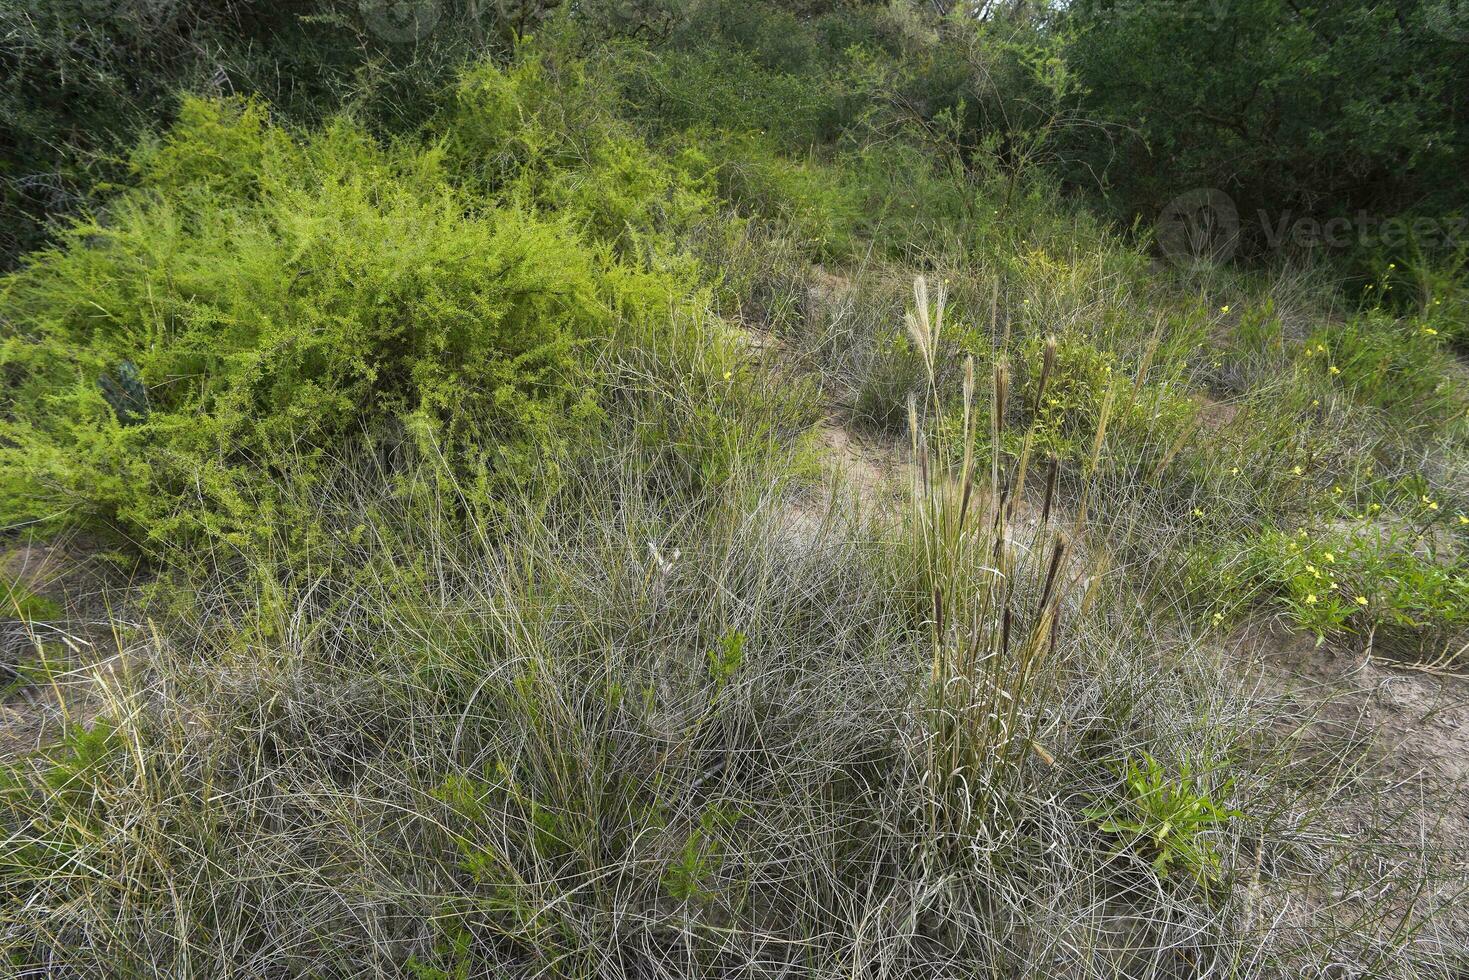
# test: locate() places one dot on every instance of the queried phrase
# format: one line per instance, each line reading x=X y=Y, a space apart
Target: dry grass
x=648 y=735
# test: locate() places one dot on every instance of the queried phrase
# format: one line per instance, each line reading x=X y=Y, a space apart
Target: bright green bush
x=817 y=202
x=546 y=137
x=277 y=296
x=81 y=80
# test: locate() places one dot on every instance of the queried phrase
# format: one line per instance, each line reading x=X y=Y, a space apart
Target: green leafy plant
x=1169 y=821
x=1387 y=583
x=688 y=876
x=725 y=658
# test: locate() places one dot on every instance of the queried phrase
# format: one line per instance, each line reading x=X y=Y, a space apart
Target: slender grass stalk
x=994 y=583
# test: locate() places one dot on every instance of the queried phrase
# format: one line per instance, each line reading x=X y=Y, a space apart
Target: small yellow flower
x=1361 y=600
x=1297 y=470
x=1430 y=331
x=728 y=375
x=1375 y=508
x=1224 y=309
x=1312 y=569
x=1464 y=518
x=1218 y=617
x=1433 y=505
x=1321 y=348
x=1315 y=403
x=1311 y=599
x=1301 y=533
x=1234 y=471
x=1329 y=557
x=1333 y=370
x=1198 y=512
x=1336 y=489
x=1391 y=266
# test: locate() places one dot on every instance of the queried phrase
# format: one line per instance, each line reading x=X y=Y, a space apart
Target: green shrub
x=1289 y=110
x=277 y=296
x=1373 y=580
x=20 y=601
x=546 y=137
x=814 y=200
x=81 y=80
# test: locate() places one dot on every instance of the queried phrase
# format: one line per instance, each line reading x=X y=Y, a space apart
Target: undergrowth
x=502 y=615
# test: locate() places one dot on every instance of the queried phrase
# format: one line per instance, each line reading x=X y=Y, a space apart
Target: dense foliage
x=1295 y=111
x=661 y=489
x=272 y=297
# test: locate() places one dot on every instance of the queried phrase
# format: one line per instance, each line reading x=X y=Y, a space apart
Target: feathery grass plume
x=995 y=585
